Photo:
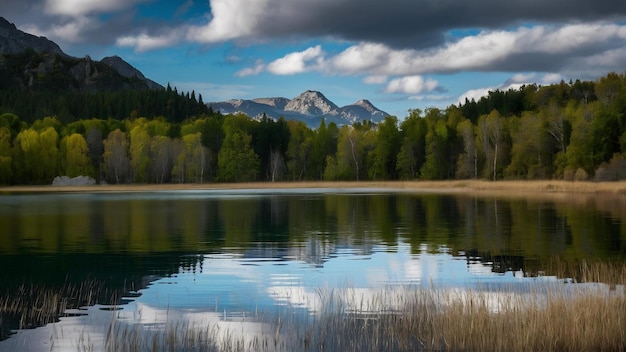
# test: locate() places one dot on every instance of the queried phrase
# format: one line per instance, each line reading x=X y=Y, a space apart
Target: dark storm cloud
x=392 y=37
x=88 y=23
x=397 y=23
x=421 y=23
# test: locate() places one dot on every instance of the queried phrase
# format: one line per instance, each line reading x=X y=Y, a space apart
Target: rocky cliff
x=36 y=63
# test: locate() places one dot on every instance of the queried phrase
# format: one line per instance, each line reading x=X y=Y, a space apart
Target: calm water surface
x=225 y=256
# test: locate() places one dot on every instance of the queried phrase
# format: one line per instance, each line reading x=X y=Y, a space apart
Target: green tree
x=49 y=139
x=531 y=153
x=36 y=155
x=491 y=133
x=6 y=157
x=193 y=161
x=440 y=147
x=115 y=158
x=212 y=136
x=161 y=159
x=270 y=141
x=237 y=161
x=349 y=153
x=140 y=142
x=26 y=156
x=388 y=144
x=412 y=151
x=12 y=122
x=324 y=145
x=467 y=165
x=95 y=149
x=580 y=151
x=74 y=155
x=298 y=149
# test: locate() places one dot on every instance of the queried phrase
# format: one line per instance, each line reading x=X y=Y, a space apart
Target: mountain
x=126 y=70
x=362 y=108
x=278 y=103
x=309 y=107
x=36 y=63
x=312 y=103
x=14 y=41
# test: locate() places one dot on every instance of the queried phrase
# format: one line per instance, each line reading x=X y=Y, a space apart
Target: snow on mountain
x=309 y=107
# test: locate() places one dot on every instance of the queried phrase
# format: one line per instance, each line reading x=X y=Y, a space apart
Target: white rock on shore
x=76 y=181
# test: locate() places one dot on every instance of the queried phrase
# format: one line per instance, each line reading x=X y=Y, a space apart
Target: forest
x=571 y=131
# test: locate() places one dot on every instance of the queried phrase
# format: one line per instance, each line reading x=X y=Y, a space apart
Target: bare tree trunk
x=354 y=156
x=201 y=163
x=495 y=161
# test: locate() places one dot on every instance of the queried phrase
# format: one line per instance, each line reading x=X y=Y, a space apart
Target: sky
x=399 y=54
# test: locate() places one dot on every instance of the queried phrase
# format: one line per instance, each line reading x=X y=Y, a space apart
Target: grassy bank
x=458 y=186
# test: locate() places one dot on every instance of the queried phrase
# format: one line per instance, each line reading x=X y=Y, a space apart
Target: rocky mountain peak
x=127 y=70
x=4 y=24
x=309 y=107
x=37 y=63
x=14 y=41
x=312 y=103
x=122 y=67
x=364 y=103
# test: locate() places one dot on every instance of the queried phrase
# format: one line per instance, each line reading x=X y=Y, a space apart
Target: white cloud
x=551 y=78
x=614 y=60
x=375 y=79
x=572 y=37
x=252 y=71
x=77 y=8
x=515 y=82
x=72 y=31
x=475 y=94
x=298 y=62
x=411 y=85
x=361 y=58
x=487 y=50
x=69 y=31
x=145 y=42
x=231 y=19
x=522 y=78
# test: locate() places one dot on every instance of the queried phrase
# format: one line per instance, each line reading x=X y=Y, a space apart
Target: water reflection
x=223 y=256
x=204 y=221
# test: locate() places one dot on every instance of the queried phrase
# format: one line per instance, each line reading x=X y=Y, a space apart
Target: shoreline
x=448 y=187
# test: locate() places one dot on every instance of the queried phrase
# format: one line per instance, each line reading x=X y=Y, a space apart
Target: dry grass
x=428 y=320
x=536 y=317
x=609 y=272
x=31 y=306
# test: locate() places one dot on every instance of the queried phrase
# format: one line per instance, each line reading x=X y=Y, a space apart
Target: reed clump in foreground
x=415 y=319
x=29 y=306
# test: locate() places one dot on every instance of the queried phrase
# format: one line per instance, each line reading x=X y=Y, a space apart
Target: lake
x=230 y=257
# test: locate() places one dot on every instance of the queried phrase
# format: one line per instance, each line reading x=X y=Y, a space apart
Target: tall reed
x=29 y=305
x=554 y=319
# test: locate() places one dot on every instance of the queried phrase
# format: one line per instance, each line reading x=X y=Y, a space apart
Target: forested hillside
x=573 y=130
x=69 y=106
